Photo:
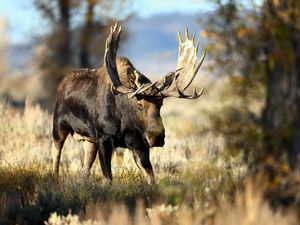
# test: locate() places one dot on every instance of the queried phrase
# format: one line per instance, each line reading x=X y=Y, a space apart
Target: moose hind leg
x=141 y=158
x=89 y=156
x=56 y=154
x=59 y=137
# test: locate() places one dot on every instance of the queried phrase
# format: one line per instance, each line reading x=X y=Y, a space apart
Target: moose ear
x=133 y=78
x=136 y=79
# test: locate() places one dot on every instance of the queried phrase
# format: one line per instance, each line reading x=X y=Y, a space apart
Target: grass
x=198 y=181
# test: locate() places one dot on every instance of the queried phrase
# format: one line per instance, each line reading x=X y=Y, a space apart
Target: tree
x=261 y=45
x=56 y=58
x=74 y=38
x=281 y=121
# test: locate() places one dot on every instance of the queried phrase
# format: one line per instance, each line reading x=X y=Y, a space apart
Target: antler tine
x=198 y=94
x=179 y=37
x=115 y=26
x=197 y=47
x=136 y=91
x=120 y=29
x=186 y=34
x=147 y=87
x=142 y=89
x=200 y=63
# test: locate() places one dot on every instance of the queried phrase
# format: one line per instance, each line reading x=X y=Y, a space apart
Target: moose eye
x=140 y=107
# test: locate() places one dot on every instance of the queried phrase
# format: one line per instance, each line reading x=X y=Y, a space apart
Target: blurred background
x=42 y=39
x=252 y=71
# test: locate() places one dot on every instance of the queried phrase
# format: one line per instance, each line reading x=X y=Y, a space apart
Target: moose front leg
x=105 y=152
x=141 y=158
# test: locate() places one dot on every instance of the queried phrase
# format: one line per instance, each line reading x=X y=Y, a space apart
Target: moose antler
x=175 y=83
x=186 y=69
x=171 y=85
x=111 y=47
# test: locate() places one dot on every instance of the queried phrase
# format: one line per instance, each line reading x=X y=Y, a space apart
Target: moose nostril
x=155 y=137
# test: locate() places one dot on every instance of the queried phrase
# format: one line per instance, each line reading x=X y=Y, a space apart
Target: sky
x=24 y=23
x=151 y=7
x=23 y=19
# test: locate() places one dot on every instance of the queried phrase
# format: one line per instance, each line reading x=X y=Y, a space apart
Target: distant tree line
x=74 y=39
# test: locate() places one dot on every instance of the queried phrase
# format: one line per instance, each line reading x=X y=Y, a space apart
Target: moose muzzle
x=155 y=137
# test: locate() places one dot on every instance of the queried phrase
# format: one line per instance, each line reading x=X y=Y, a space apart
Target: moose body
x=88 y=109
x=115 y=106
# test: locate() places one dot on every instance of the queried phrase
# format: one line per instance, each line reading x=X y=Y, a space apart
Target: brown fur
x=88 y=109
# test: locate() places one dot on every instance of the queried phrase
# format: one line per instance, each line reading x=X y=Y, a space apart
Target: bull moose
x=117 y=106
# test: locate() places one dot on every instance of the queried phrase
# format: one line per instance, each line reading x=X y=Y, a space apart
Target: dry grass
x=198 y=181
x=249 y=209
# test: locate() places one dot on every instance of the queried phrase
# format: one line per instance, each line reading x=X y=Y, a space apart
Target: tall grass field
x=198 y=179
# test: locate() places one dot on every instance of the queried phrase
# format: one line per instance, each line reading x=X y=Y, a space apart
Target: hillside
x=151 y=44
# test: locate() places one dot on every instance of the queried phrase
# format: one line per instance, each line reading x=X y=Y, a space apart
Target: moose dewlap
x=117 y=106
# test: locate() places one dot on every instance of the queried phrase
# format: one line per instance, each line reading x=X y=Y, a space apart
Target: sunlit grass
x=198 y=181
x=33 y=190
